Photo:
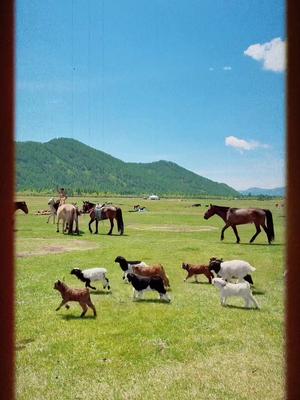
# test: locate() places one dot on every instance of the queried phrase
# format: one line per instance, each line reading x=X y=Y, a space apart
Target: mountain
x=81 y=169
x=279 y=191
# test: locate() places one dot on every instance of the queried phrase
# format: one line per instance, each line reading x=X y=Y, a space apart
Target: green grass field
x=191 y=348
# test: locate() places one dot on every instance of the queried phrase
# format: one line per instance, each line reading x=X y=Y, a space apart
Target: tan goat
x=152 y=270
x=80 y=295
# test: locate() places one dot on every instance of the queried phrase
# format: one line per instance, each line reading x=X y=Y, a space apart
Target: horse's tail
x=270 y=225
x=119 y=219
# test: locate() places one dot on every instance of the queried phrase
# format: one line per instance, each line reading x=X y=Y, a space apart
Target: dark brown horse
x=239 y=216
x=21 y=205
x=98 y=213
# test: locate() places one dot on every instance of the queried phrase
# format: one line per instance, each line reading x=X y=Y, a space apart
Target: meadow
x=191 y=348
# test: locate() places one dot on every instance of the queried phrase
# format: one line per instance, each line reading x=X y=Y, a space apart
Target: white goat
x=91 y=275
x=235 y=289
x=227 y=270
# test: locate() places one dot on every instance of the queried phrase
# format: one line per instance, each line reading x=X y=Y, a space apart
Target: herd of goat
x=145 y=278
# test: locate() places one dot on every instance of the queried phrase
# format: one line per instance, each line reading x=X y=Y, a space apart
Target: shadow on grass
x=21 y=344
x=254 y=244
x=240 y=307
x=258 y=292
x=106 y=234
x=151 y=301
x=101 y=292
x=73 y=234
x=69 y=317
x=198 y=283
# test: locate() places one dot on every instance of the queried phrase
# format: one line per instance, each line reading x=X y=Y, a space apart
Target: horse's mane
x=222 y=207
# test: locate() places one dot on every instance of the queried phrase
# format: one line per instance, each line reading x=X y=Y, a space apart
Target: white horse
x=68 y=213
x=53 y=209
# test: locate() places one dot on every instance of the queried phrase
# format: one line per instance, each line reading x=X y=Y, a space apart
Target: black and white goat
x=141 y=284
x=91 y=275
x=126 y=265
x=227 y=270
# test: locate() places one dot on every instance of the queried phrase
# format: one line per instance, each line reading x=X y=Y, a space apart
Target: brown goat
x=194 y=270
x=152 y=270
x=80 y=295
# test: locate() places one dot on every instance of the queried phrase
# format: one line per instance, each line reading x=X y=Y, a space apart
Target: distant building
x=153 y=197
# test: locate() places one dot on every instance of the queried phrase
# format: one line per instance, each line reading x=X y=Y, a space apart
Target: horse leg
x=90 y=229
x=236 y=233
x=76 y=223
x=97 y=222
x=111 y=226
x=258 y=230
x=267 y=232
x=223 y=230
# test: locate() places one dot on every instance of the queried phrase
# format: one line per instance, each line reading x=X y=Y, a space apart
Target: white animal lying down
x=235 y=289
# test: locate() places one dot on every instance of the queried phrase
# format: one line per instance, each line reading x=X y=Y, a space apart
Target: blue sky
x=197 y=82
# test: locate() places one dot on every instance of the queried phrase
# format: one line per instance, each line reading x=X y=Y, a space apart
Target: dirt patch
x=173 y=228
x=39 y=248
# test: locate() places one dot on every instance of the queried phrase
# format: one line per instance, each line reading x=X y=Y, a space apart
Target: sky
x=197 y=82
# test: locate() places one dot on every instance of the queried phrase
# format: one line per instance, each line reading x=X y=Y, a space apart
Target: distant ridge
x=255 y=191
x=71 y=164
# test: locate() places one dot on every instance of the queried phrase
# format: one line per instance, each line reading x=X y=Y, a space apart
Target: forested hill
x=82 y=169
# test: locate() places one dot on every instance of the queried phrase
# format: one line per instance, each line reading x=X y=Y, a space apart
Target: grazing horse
x=98 y=213
x=54 y=204
x=21 y=205
x=68 y=213
x=238 y=216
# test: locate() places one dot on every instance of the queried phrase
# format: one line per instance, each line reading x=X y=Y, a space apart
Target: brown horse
x=21 y=205
x=239 y=216
x=98 y=213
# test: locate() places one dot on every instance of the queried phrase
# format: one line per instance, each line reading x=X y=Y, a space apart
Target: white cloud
x=227 y=68
x=271 y=54
x=241 y=144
